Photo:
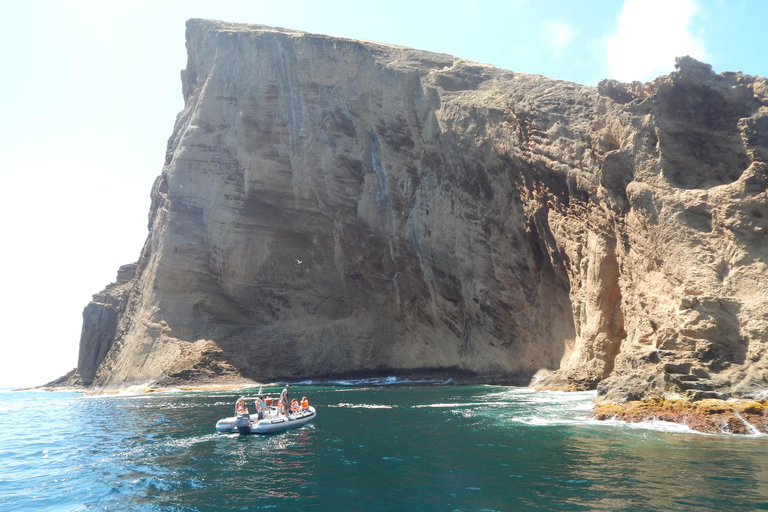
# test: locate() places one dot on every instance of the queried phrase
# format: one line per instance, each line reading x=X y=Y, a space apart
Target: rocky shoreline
x=711 y=416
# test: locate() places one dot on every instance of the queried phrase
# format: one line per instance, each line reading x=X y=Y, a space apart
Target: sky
x=90 y=90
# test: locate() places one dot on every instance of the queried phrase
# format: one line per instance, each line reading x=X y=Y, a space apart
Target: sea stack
x=333 y=207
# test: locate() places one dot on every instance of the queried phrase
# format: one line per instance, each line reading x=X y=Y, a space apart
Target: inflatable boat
x=270 y=419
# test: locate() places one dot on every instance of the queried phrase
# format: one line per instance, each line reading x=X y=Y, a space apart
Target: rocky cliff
x=330 y=207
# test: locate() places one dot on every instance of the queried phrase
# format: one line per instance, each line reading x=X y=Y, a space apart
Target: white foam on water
x=186 y=442
x=561 y=396
x=388 y=381
x=363 y=406
x=563 y=408
x=450 y=405
x=532 y=420
x=559 y=408
x=379 y=381
x=650 y=425
x=539 y=408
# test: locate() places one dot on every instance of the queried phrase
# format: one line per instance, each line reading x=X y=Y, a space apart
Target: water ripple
x=386 y=447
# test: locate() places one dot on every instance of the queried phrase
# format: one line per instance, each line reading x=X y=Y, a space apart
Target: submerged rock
x=330 y=207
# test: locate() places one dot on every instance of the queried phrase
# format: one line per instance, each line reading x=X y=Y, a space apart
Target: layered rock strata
x=330 y=206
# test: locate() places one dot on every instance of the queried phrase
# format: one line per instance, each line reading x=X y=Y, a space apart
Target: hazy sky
x=90 y=90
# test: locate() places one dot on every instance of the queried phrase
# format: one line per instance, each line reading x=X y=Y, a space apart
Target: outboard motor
x=244 y=423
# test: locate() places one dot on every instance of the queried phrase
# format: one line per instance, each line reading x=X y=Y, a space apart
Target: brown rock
x=708 y=415
x=331 y=206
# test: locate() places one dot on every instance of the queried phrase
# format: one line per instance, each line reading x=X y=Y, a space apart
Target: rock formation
x=330 y=207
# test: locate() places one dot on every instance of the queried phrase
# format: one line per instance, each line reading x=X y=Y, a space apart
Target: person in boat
x=240 y=406
x=285 y=401
x=260 y=407
x=304 y=403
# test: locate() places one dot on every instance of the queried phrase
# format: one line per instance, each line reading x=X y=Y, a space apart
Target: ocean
x=374 y=446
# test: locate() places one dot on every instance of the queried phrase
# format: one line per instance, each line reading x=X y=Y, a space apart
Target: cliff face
x=330 y=206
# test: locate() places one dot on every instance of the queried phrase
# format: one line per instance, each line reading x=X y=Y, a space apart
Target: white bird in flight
x=298 y=261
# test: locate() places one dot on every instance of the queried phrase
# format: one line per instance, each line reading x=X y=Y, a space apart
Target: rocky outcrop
x=330 y=206
x=100 y=319
x=713 y=416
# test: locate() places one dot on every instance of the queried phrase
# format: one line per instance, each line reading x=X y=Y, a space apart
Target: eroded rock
x=330 y=206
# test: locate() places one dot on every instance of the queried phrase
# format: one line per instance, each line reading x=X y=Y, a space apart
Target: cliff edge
x=330 y=206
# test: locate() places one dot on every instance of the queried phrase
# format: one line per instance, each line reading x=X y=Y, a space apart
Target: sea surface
x=374 y=446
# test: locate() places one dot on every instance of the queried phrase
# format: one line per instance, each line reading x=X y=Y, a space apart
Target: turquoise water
x=371 y=448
